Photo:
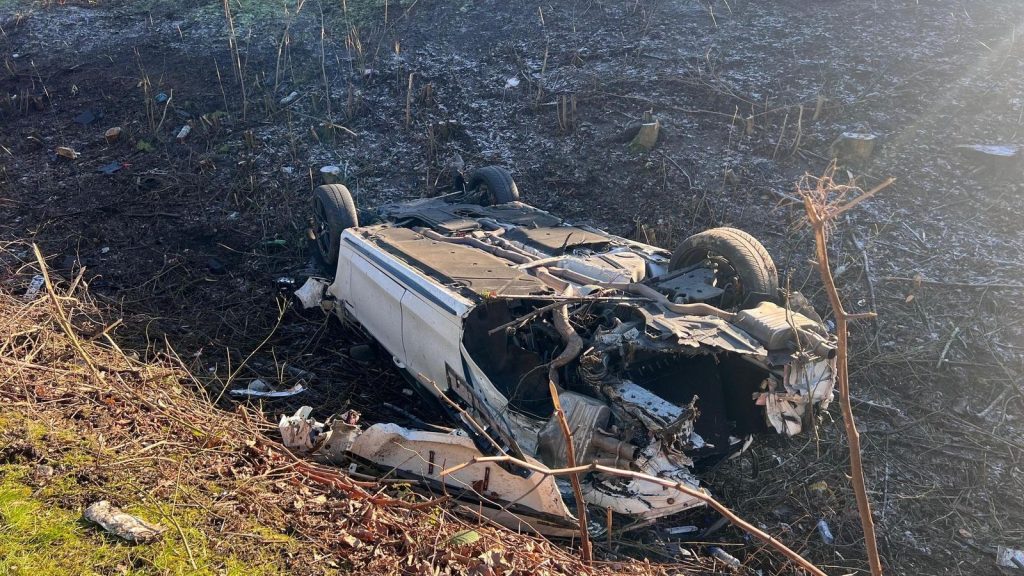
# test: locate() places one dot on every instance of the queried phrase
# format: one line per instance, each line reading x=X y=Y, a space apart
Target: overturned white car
x=663 y=361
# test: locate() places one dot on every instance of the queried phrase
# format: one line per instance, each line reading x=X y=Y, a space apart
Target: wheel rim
x=322 y=230
x=725 y=275
x=486 y=196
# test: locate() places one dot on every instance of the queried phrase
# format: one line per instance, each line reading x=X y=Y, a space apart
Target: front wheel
x=333 y=212
x=742 y=265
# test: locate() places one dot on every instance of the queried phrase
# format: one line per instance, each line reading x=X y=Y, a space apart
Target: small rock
x=112 y=134
x=66 y=152
x=44 y=471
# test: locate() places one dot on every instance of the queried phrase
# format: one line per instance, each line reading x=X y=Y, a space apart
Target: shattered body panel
x=487 y=306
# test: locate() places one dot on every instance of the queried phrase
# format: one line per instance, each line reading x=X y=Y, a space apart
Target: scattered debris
x=825 y=532
x=161 y=97
x=183 y=133
x=724 y=556
x=853 y=147
x=260 y=389
x=110 y=168
x=33 y=287
x=67 y=152
x=676 y=530
x=994 y=156
x=512 y=82
x=144 y=146
x=112 y=134
x=312 y=292
x=530 y=502
x=1009 y=557
x=121 y=524
x=289 y=99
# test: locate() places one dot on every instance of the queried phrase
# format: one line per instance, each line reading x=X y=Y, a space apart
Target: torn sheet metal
x=531 y=502
x=641 y=498
x=806 y=385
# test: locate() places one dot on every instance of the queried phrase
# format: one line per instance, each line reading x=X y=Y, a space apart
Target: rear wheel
x=493 y=185
x=333 y=212
x=742 y=265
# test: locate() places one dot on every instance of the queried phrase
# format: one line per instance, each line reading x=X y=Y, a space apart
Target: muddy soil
x=187 y=238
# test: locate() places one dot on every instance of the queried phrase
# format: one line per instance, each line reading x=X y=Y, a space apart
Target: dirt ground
x=186 y=239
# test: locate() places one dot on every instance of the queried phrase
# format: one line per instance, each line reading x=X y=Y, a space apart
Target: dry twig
x=823 y=204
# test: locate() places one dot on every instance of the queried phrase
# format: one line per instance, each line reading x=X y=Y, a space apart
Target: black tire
x=494 y=185
x=333 y=212
x=744 y=266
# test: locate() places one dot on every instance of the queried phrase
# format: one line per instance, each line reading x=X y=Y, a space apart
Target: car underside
x=662 y=362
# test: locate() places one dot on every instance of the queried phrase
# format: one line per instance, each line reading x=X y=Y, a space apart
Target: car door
x=375 y=300
x=430 y=332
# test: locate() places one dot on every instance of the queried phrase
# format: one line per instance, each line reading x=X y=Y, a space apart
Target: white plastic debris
x=289 y=99
x=311 y=294
x=989 y=150
x=512 y=82
x=1009 y=557
x=121 y=524
x=33 y=288
x=825 y=532
x=725 y=556
x=184 y=132
x=260 y=389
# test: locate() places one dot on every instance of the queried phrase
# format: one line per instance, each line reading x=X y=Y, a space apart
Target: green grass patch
x=37 y=537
